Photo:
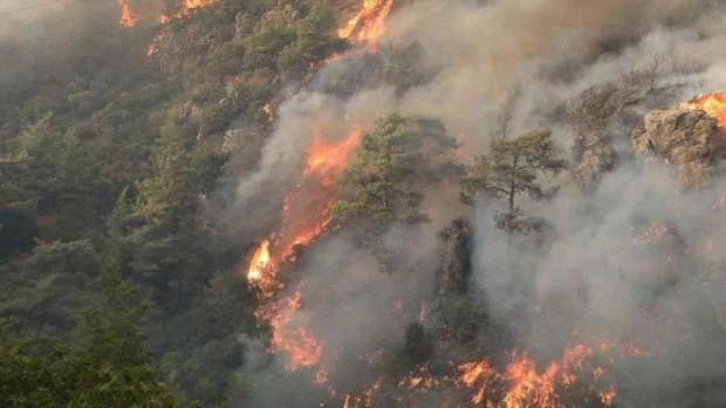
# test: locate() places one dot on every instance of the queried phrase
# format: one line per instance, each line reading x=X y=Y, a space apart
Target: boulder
x=596 y=116
x=688 y=139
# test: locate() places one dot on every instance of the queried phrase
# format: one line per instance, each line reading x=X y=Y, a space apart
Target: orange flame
x=127 y=19
x=306 y=214
x=262 y=268
x=188 y=7
x=368 y=25
x=714 y=104
x=306 y=211
x=327 y=159
x=302 y=348
x=520 y=384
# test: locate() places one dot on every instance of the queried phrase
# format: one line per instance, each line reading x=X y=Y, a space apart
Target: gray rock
x=688 y=139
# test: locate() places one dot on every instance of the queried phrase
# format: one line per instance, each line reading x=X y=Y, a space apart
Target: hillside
x=362 y=203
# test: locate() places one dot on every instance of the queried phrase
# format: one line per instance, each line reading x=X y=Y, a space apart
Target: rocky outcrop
x=593 y=158
x=595 y=117
x=456 y=268
x=688 y=139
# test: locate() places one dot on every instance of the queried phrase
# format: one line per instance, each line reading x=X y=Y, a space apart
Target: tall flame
x=307 y=209
x=368 y=25
x=127 y=18
x=260 y=265
x=306 y=214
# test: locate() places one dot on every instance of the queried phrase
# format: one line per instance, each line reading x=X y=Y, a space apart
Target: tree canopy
x=396 y=160
x=511 y=169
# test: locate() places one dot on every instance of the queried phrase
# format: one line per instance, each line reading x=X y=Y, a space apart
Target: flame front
x=305 y=215
x=261 y=265
x=291 y=336
x=520 y=384
x=714 y=104
x=306 y=210
x=127 y=18
x=327 y=159
x=368 y=25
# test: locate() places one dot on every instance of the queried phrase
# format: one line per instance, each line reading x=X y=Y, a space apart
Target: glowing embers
x=714 y=104
x=368 y=25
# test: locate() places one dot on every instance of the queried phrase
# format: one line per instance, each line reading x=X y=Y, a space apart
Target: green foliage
x=115 y=156
x=17 y=232
x=417 y=348
x=107 y=366
x=512 y=168
x=418 y=345
x=49 y=286
x=288 y=38
x=395 y=163
x=463 y=320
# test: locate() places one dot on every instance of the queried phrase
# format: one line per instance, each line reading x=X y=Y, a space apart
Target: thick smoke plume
x=514 y=66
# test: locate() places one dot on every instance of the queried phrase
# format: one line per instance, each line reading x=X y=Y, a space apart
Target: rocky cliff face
x=688 y=139
x=597 y=117
x=692 y=141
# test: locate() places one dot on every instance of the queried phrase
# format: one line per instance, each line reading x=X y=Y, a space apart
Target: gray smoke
x=594 y=276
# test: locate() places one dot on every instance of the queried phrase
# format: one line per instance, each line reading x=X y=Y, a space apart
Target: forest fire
x=368 y=25
x=306 y=210
x=302 y=348
x=306 y=214
x=127 y=18
x=714 y=104
x=260 y=263
x=579 y=378
x=188 y=7
x=328 y=160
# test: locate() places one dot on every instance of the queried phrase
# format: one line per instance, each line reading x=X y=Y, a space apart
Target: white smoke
x=541 y=54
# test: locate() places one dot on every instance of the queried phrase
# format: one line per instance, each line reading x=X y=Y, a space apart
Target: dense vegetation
x=121 y=271
x=105 y=170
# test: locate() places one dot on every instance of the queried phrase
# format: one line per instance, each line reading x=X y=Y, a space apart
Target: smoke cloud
x=532 y=59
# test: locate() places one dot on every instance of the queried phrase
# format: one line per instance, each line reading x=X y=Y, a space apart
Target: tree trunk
x=513 y=184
